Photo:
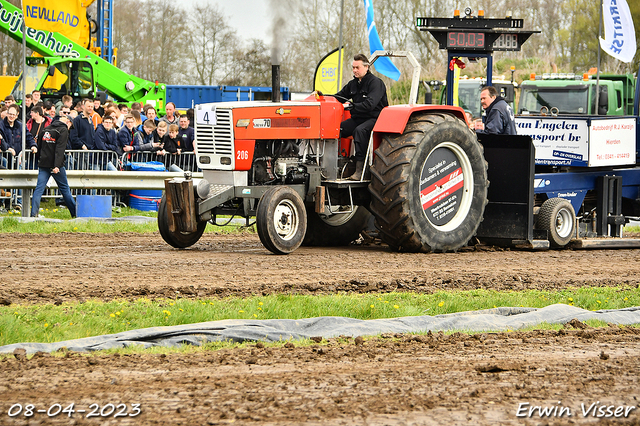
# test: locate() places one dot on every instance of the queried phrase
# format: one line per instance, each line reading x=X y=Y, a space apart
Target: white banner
x=619 y=33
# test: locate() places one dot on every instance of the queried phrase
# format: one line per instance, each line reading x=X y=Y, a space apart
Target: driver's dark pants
x=360 y=129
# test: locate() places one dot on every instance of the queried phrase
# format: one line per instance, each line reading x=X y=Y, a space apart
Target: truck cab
x=56 y=77
x=577 y=95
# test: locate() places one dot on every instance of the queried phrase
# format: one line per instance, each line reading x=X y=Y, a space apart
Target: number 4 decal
x=206 y=117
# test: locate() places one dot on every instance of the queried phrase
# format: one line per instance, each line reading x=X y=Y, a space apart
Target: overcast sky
x=250 y=18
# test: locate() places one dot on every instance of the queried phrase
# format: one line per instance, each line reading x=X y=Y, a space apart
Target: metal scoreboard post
x=475 y=37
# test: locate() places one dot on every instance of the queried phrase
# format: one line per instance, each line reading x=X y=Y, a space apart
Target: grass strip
x=50 y=323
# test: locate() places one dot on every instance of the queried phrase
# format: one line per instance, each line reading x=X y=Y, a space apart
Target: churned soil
x=436 y=379
x=77 y=267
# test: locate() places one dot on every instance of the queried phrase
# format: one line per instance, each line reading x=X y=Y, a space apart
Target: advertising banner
x=612 y=142
x=67 y=17
x=558 y=141
x=326 y=76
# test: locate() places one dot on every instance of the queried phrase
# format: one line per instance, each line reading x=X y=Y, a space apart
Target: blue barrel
x=146 y=199
x=93 y=205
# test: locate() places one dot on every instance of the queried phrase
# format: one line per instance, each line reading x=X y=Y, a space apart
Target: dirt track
x=398 y=380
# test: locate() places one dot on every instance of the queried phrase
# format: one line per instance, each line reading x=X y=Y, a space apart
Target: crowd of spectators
x=107 y=127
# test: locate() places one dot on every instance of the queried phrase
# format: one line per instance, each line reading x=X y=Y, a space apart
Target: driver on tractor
x=368 y=96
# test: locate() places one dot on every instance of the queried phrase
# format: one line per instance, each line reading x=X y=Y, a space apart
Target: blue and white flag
x=619 y=34
x=383 y=65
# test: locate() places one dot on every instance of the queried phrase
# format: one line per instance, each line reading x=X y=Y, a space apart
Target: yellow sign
x=326 y=77
x=67 y=17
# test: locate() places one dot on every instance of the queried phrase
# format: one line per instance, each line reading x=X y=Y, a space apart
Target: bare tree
x=11 y=52
x=252 y=66
x=211 y=44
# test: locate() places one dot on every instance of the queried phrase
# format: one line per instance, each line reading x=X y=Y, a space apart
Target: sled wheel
x=176 y=239
x=557 y=216
x=429 y=185
x=336 y=230
x=281 y=220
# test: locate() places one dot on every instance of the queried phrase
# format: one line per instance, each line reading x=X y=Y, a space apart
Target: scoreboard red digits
x=467 y=40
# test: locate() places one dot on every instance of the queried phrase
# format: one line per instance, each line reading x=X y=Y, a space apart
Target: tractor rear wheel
x=336 y=230
x=176 y=239
x=429 y=185
x=281 y=220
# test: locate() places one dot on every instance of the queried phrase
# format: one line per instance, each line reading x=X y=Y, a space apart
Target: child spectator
x=106 y=136
x=145 y=137
x=97 y=107
x=171 y=142
x=28 y=102
x=126 y=135
x=158 y=135
x=137 y=117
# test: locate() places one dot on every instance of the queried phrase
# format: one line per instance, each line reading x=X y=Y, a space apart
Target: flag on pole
x=619 y=33
x=383 y=65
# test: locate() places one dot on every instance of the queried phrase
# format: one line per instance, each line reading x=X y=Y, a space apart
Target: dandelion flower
x=373 y=306
x=112 y=315
x=255 y=315
x=441 y=304
x=570 y=299
x=260 y=303
x=396 y=306
x=241 y=312
x=626 y=298
x=46 y=325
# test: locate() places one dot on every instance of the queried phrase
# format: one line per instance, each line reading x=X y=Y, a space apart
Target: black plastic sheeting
x=498 y=319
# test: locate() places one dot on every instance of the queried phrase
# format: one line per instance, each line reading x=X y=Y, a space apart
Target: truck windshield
x=568 y=100
x=74 y=78
x=34 y=76
x=469 y=98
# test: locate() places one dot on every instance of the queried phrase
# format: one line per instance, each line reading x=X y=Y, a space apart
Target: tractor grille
x=218 y=139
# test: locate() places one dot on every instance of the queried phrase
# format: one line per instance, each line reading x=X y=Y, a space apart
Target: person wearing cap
x=52 y=143
x=368 y=96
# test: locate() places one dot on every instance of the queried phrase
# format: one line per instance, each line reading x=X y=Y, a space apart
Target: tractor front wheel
x=281 y=220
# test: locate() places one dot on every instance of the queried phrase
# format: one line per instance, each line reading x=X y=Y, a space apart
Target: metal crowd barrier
x=185 y=161
x=81 y=160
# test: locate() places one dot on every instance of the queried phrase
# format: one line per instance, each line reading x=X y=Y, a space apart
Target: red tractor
x=283 y=163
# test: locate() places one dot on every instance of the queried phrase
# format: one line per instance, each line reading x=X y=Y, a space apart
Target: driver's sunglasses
x=65 y=112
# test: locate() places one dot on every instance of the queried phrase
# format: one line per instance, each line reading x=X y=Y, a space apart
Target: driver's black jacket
x=368 y=96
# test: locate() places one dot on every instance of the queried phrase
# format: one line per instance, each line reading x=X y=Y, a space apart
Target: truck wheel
x=176 y=239
x=429 y=185
x=335 y=230
x=557 y=216
x=281 y=220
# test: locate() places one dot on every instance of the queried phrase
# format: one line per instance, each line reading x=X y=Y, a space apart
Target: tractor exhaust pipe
x=275 y=83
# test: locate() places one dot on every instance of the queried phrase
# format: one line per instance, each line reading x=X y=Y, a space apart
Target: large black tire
x=429 y=185
x=556 y=215
x=281 y=220
x=176 y=239
x=336 y=230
